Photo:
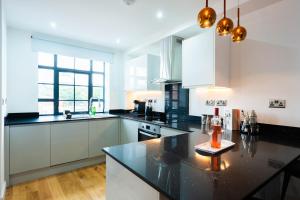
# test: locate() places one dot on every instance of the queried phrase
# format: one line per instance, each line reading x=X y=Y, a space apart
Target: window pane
x=66 y=78
x=97 y=80
x=81 y=93
x=98 y=106
x=82 y=64
x=66 y=92
x=98 y=66
x=66 y=105
x=46 y=108
x=65 y=62
x=81 y=106
x=81 y=79
x=98 y=92
x=45 y=59
x=45 y=91
x=46 y=76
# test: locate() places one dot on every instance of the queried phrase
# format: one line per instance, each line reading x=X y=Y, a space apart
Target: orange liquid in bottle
x=217 y=131
x=216 y=137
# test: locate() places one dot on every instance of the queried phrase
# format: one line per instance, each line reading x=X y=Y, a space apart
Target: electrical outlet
x=221 y=103
x=210 y=102
x=277 y=103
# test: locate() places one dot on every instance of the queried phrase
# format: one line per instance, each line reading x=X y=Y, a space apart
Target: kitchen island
x=170 y=168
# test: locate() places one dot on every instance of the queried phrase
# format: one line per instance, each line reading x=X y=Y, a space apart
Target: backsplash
x=176 y=102
x=156 y=96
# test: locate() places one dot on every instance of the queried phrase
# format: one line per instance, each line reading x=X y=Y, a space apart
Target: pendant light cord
x=238 y=13
x=224 y=8
x=206 y=3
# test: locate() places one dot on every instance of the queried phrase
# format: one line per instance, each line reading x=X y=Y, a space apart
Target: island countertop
x=173 y=167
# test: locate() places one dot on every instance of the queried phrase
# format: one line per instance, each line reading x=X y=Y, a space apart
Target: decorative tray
x=206 y=147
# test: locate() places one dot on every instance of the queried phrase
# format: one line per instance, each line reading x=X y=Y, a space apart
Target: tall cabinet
x=206 y=60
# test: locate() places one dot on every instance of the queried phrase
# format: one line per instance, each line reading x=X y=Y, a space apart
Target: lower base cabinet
x=29 y=147
x=69 y=142
x=102 y=133
x=129 y=131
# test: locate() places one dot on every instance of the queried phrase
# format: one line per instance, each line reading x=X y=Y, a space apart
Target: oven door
x=144 y=135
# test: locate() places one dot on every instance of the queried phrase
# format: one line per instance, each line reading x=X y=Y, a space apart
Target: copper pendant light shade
x=239 y=33
x=225 y=25
x=207 y=17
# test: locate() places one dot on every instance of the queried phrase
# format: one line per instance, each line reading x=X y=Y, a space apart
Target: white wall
x=3 y=93
x=22 y=73
x=117 y=94
x=265 y=66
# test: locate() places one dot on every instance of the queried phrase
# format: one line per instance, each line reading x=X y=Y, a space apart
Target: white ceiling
x=102 y=21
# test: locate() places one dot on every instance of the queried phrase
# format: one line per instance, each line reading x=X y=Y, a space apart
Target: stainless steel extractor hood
x=170 y=61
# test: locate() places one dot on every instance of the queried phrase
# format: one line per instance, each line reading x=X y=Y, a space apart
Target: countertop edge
x=36 y=121
x=56 y=120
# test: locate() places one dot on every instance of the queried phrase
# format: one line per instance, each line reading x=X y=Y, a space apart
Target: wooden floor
x=83 y=184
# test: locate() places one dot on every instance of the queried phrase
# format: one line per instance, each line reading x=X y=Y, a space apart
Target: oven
x=148 y=131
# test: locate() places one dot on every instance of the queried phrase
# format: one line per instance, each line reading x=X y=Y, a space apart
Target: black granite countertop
x=187 y=126
x=56 y=118
x=187 y=175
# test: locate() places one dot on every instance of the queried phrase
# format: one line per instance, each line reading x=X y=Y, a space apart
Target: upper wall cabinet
x=140 y=72
x=206 y=60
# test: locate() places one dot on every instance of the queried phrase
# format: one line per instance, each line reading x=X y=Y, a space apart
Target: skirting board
x=40 y=173
x=3 y=190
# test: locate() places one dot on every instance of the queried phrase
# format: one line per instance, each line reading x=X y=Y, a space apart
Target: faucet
x=91 y=105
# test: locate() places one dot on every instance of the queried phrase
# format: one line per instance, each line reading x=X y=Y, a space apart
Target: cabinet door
x=198 y=60
x=166 y=132
x=136 y=74
x=69 y=142
x=153 y=72
x=29 y=147
x=102 y=133
x=129 y=131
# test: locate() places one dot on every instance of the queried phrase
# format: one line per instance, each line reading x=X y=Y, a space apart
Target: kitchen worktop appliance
x=148 y=131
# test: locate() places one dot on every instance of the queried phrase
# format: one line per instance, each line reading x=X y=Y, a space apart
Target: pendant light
x=239 y=33
x=225 y=25
x=207 y=17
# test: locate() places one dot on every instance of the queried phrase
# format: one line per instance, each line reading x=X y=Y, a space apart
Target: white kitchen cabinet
x=29 y=147
x=206 y=60
x=166 y=132
x=129 y=131
x=69 y=141
x=102 y=133
x=140 y=72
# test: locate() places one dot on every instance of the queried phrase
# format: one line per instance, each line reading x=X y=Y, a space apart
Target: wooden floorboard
x=83 y=184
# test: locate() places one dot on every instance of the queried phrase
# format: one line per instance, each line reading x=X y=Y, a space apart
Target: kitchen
x=122 y=107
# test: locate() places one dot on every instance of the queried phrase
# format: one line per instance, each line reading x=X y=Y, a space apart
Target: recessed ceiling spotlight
x=129 y=2
x=118 y=41
x=53 y=25
x=159 y=15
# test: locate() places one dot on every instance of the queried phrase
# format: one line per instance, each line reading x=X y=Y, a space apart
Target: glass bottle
x=216 y=136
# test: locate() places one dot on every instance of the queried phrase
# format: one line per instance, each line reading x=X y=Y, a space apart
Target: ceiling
x=102 y=22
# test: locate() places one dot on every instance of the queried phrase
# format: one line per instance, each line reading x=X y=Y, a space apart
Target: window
x=67 y=83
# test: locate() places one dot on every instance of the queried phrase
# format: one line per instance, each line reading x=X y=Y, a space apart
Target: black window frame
x=90 y=73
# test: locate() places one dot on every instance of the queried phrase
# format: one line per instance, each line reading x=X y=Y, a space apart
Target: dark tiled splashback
x=176 y=103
